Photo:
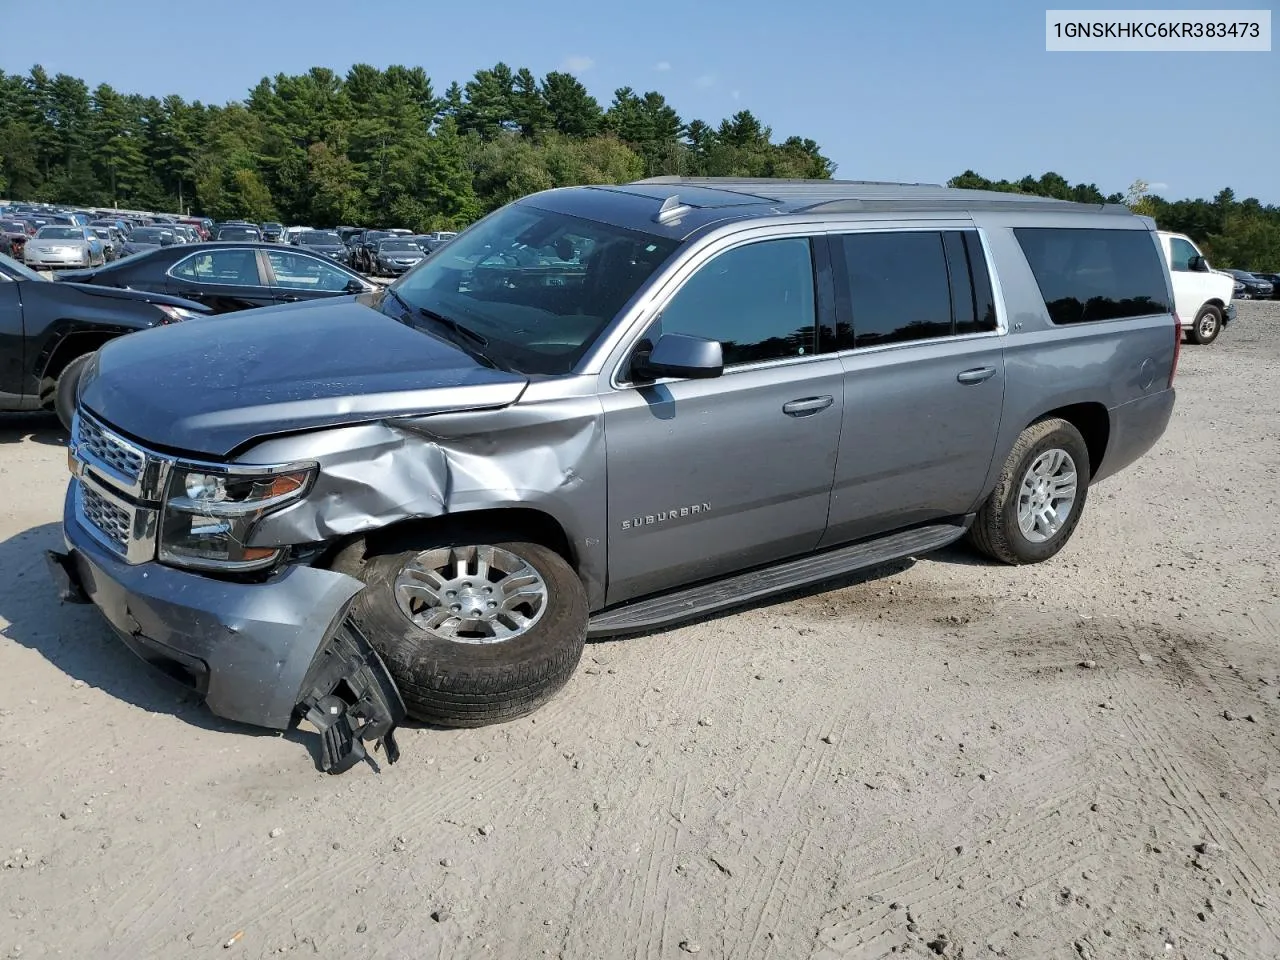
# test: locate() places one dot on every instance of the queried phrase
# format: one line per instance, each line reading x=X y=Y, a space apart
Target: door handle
x=802 y=408
x=976 y=375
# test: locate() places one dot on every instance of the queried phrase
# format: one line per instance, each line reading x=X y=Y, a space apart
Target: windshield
x=102 y=232
x=153 y=235
x=238 y=233
x=16 y=269
x=407 y=246
x=60 y=233
x=12 y=226
x=318 y=239
x=540 y=287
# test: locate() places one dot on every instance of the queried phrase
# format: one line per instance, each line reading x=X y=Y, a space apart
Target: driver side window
x=757 y=300
x=1180 y=254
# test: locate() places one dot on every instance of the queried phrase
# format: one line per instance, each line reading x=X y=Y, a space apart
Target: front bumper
x=36 y=259
x=258 y=653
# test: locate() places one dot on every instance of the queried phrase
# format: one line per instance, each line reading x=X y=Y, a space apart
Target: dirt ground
x=1072 y=760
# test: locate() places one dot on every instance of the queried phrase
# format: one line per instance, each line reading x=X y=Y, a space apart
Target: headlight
x=210 y=512
x=175 y=314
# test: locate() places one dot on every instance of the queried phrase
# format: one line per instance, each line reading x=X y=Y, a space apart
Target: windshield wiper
x=453 y=326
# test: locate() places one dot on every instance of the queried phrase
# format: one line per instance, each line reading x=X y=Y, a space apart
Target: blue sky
x=891 y=90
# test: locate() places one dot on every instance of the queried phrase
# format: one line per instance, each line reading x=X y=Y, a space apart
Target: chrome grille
x=113 y=522
x=95 y=443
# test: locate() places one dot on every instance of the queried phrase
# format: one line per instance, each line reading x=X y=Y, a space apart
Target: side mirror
x=1198 y=264
x=354 y=286
x=679 y=355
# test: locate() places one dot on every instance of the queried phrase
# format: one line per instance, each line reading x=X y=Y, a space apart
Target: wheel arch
x=73 y=344
x=1094 y=423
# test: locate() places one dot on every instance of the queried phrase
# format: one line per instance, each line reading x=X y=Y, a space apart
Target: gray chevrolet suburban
x=600 y=410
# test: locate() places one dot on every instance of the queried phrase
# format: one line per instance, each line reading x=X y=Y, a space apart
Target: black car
x=49 y=331
x=272 y=232
x=327 y=243
x=396 y=255
x=1273 y=279
x=147 y=238
x=1255 y=288
x=364 y=249
x=230 y=276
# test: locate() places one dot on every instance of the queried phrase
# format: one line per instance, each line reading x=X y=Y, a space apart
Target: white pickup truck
x=1201 y=295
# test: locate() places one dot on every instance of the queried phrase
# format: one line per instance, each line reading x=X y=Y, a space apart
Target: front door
x=12 y=342
x=305 y=276
x=1192 y=289
x=706 y=477
x=924 y=379
x=225 y=279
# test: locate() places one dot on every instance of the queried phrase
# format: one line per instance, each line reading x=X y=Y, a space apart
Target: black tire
x=996 y=532
x=64 y=391
x=1210 y=318
x=454 y=684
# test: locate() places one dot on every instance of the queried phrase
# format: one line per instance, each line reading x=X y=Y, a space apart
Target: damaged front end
x=266 y=654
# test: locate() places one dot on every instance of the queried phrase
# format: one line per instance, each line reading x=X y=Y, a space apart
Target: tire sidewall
x=1023 y=549
x=527 y=669
x=65 y=390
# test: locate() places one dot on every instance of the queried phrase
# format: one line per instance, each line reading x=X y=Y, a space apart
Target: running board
x=742 y=588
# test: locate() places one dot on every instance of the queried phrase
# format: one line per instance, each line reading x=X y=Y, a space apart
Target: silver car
x=602 y=410
x=62 y=246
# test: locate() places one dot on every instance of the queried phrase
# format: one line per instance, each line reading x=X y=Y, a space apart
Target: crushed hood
x=211 y=385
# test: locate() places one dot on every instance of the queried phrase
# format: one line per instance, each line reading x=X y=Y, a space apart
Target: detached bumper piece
x=350 y=698
x=65 y=577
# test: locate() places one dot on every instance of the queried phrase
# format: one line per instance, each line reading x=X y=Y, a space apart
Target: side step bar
x=742 y=588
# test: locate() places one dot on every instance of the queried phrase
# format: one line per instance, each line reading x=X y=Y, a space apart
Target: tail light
x=1177 y=347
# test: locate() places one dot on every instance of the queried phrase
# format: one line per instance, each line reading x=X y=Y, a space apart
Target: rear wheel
x=1038 y=497
x=1207 y=326
x=474 y=633
x=68 y=384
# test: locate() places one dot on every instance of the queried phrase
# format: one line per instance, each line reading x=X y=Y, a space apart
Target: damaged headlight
x=210 y=511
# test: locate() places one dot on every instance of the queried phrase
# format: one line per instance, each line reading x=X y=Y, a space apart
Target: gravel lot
x=1071 y=760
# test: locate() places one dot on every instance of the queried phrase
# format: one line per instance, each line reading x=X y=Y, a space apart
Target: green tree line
x=373 y=147
x=1244 y=234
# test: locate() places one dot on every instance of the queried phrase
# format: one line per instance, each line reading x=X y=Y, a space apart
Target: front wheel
x=474 y=633
x=1038 y=497
x=1207 y=326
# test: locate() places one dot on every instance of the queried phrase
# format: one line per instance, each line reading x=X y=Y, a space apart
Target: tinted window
x=153 y=235
x=404 y=246
x=1087 y=275
x=297 y=272
x=237 y=268
x=59 y=233
x=239 y=233
x=1180 y=254
x=320 y=239
x=897 y=286
x=757 y=300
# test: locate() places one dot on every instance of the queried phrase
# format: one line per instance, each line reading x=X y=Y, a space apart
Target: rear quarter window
x=1087 y=275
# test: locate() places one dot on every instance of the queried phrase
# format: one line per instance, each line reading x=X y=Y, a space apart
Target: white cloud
x=1158 y=185
x=577 y=64
x=706 y=80
x=662 y=66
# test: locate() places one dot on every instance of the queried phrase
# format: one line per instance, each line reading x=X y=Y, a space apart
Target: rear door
x=918 y=337
x=295 y=275
x=224 y=279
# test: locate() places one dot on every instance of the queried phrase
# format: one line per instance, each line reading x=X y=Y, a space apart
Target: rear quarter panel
x=1124 y=365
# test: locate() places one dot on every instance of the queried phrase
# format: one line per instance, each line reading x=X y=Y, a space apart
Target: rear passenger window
x=896 y=287
x=1088 y=275
x=757 y=300
x=229 y=267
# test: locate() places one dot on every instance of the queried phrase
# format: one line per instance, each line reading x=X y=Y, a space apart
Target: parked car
x=1271 y=278
x=49 y=331
x=240 y=232
x=14 y=235
x=364 y=248
x=395 y=255
x=439 y=489
x=324 y=242
x=1202 y=296
x=1253 y=287
x=57 y=247
x=112 y=242
x=148 y=238
x=272 y=232
x=226 y=276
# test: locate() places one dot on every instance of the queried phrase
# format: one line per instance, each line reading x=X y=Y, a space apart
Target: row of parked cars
x=385 y=253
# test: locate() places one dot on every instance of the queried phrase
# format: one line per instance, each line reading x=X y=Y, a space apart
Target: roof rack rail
x=1016 y=204
x=768 y=181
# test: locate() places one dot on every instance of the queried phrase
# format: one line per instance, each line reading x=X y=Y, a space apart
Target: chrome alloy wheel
x=478 y=594
x=1046 y=495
